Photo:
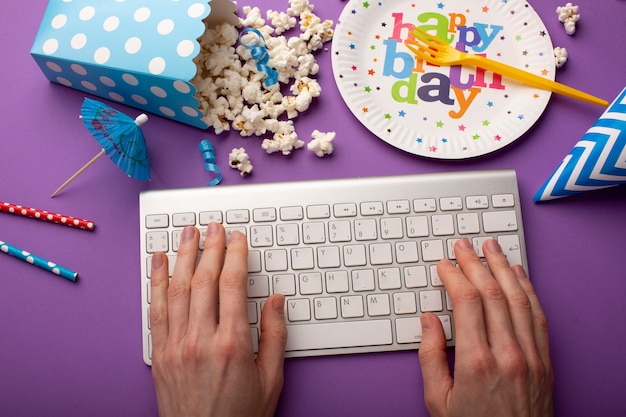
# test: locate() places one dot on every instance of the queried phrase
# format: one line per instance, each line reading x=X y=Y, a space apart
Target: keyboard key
x=321 y=211
x=207 y=217
x=406 y=252
x=254 y=261
x=183 y=219
x=372 y=208
x=287 y=234
x=302 y=258
x=378 y=305
x=291 y=213
x=157 y=221
x=443 y=225
x=310 y=283
x=417 y=226
x=284 y=284
x=365 y=229
x=258 y=286
x=261 y=236
x=344 y=210
x=237 y=216
x=264 y=214
x=313 y=233
x=380 y=254
x=511 y=248
x=339 y=231
x=473 y=202
x=435 y=281
x=337 y=282
x=363 y=280
x=298 y=310
x=424 y=205
x=430 y=301
x=404 y=303
x=408 y=330
x=391 y=228
x=389 y=279
x=351 y=306
x=325 y=308
x=502 y=200
x=499 y=221
x=337 y=335
x=157 y=242
x=415 y=276
x=468 y=223
x=275 y=260
x=398 y=207
x=354 y=255
x=451 y=203
x=432 y=250
x=328 y=257
x=253 y=314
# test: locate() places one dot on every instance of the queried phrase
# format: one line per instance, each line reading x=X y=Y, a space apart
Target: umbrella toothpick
x=120 y=138
x=80 y=171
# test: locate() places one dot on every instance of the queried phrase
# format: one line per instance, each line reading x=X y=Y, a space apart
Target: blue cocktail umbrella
x=120 y=137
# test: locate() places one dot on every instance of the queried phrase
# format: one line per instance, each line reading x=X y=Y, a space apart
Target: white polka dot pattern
x=130 y=52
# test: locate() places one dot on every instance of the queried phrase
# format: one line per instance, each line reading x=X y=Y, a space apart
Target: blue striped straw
x=38 y=261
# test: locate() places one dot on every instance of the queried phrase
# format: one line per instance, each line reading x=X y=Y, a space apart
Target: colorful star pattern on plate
x=463 y=112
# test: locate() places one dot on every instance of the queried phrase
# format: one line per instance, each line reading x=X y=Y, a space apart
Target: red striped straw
x=46 y=216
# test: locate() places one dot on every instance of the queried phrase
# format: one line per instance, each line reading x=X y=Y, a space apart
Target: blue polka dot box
x=136 y=52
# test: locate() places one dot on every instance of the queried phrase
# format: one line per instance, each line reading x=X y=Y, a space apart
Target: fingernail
x=157 y=261
x=188 y=233
x=236 y=235
x=493 y=246
x=519 y=271
x=278 y=303
x=212 y=229
x=465 y=244
x=426 y=322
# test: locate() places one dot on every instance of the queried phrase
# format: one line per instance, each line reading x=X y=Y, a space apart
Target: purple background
x=75 y=349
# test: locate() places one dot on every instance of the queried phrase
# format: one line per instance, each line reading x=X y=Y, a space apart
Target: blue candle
x=38 y=261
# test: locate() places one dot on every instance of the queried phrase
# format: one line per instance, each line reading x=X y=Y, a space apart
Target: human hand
x=203 y=362
x=502 y=360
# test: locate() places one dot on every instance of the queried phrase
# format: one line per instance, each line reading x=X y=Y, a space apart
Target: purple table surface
x=75 y=349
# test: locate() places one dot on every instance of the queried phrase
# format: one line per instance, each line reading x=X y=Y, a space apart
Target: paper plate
x=441 y=112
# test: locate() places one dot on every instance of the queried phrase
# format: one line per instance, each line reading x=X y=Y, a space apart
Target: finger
x=517 y=299
x=469 y=322
x=204 y=300
x=540 y=323
x=179 y=289
x=233 y=283
x=271 y=355
x=434 y=364
x=496 y=310
x=159 y=281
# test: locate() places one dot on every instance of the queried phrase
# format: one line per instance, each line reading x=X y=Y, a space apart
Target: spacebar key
x=339 y=335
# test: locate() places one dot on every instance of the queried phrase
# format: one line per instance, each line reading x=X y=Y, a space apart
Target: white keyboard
x=355 y=258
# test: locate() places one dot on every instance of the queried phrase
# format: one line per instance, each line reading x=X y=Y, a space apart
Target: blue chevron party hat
x=597 y=161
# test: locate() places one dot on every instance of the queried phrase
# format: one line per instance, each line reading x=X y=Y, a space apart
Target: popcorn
x=253 y=17
x=297 y=7
x=230 y=86
x=239 y=159
x=568 y=15
x=322 y=143
x=560 y=56
x=285 y=140
x=281 y=21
